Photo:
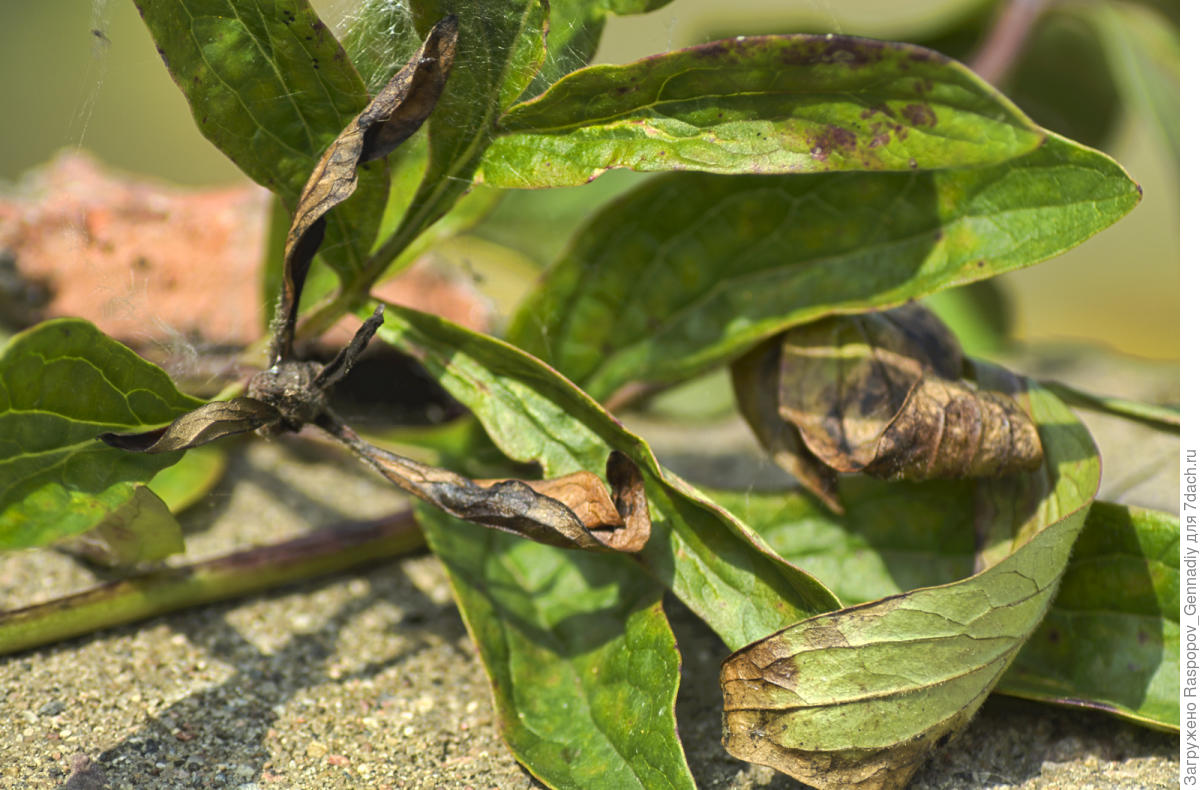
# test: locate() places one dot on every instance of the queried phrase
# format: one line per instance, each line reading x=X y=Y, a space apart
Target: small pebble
x=52 y=708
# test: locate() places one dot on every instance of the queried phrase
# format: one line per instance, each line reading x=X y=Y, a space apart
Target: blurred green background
x=82 y=74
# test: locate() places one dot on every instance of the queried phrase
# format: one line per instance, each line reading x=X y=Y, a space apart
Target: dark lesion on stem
x=574 y=511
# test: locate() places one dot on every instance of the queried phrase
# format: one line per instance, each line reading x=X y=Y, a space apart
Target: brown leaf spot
x=919 y=115
x=832 y=139
x=842 y=50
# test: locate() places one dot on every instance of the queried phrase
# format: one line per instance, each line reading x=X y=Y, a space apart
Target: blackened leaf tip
x=134 y=442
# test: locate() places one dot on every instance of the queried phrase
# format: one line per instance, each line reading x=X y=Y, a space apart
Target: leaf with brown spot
x=759 y=104
x=858 y=698
x=573 y=511
x=883 y=394
x=395 y=113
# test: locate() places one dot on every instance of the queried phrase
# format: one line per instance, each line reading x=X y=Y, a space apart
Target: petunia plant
x=808 y=192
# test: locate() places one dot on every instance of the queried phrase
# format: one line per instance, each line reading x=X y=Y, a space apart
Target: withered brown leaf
x=881 y=394
x=395 y=113
x=756 y=385
x=208 y=423
x=574 y=511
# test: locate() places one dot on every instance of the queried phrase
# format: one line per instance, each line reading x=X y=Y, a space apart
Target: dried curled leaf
x=208 y=423
x=756 y=383
x=395 y=113
x=574 y=511
x=881 y=394
x=859 y=697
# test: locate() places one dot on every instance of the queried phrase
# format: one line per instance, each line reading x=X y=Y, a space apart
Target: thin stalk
x=1007 y=39
x=1160 y=418
x=330 y=550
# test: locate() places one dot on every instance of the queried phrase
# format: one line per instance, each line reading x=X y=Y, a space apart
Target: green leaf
x=1063 y=78
x=1111 y=640
x=541 y=222
x=868 y=691
x=62 y=383
x=765 y=104
x=500 y=50
x=1143 y=53
x=978 y=314
x=691 y=269
x=141 y=530
x=380 y=38
x=893 y=537
x=583 y=664
x=1111 y=637
x=271 y=87
x=184 y=484
x=533 y=414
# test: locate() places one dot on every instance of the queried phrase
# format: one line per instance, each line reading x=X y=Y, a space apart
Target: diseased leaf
x=882 y=393
x=271 y=87
x=762 y=104
x=62 y=382
x=582 y=662
x=756 y=386
x=859 y=697
x=140 y=530
x=200 y=426
x=691 y=270
x=712 y=562
x=1110 y=640
x=500 y=49
x=285 y=397
x=572 y=511
x=392 y=116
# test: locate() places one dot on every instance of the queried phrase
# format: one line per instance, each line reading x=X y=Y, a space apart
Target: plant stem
x=1006 y=39
x=324 y=551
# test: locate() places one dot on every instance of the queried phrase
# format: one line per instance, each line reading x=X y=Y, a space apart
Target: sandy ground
x=368 y=679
